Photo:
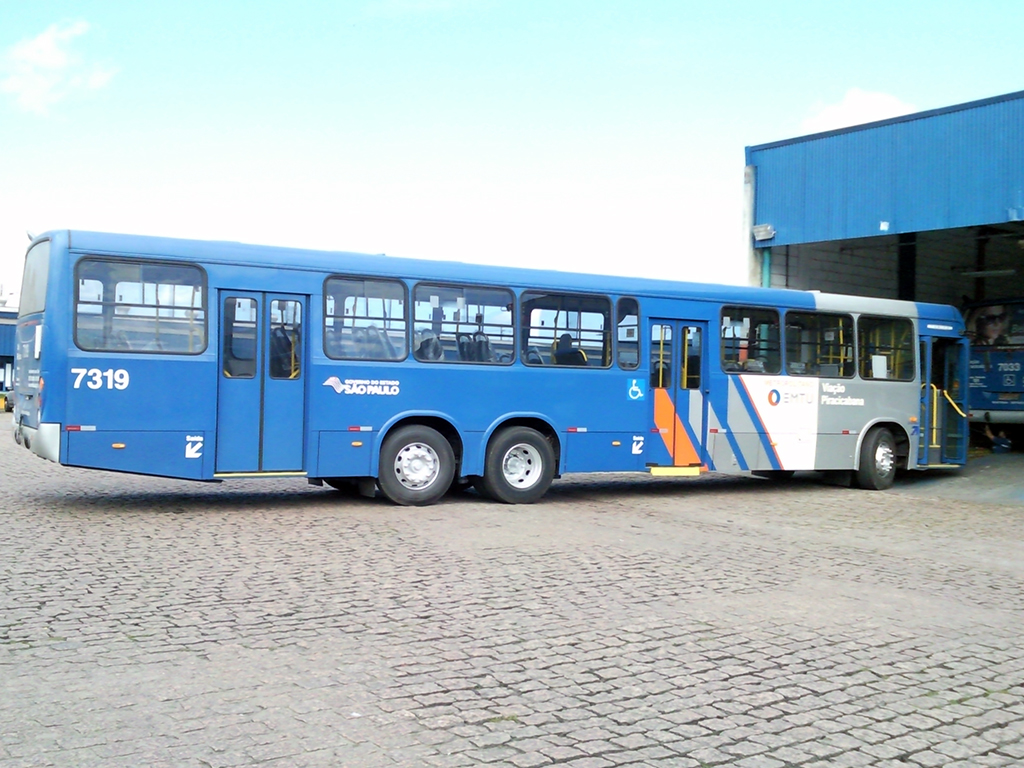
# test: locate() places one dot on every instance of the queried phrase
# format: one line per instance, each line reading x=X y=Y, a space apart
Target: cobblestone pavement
x=722 y=622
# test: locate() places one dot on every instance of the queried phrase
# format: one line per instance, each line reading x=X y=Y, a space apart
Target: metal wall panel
x=953 y=167
x=7 y=335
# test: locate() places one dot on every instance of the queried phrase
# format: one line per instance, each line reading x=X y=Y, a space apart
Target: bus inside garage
x=924 y=207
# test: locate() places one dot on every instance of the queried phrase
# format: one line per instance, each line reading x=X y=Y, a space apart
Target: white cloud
x=855 y=108
x=39 y=72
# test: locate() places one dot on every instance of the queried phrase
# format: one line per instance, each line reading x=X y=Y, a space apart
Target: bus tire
x=877 y=460
x=520 y=466
x=417 y=465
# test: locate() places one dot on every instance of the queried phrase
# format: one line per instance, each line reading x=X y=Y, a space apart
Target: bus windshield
x=33 y=284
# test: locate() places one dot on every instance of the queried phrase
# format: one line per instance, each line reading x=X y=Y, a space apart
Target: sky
x=579 y=135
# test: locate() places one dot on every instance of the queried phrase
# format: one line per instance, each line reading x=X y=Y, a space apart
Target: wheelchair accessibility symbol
x=635 y=391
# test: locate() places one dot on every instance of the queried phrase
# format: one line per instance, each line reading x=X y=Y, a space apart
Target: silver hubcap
x=417 y=466
x=884 y=458
x=522 y=466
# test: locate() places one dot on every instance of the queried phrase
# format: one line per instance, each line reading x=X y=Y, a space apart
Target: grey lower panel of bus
x=43 y=441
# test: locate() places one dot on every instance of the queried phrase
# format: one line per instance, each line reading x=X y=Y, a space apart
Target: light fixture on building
x=988 y=273
x=763 y=231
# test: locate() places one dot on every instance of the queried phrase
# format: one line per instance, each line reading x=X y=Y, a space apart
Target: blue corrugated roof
x=944 y=168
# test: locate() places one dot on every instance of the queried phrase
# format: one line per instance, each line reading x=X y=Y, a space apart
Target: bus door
x=261 y=397
x=679 y=389
x=943 y=420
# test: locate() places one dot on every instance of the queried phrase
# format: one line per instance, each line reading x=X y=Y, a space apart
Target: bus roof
x=381 y=265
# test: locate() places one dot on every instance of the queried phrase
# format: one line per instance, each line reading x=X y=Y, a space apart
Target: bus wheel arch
x=884 y=448
x=522 y=458
x=420 y=459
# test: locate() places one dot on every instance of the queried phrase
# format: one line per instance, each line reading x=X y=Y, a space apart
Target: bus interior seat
x=565 y=353
x=661 y=376
x=533 y=356
x=829 y=369
x=464 y=342
x=374 y=343
x=342 y=344
x=281 y=352
x=482 y=347
x=429 y=348
x=239 y=357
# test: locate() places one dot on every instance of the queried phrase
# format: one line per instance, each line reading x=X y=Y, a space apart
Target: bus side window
x=689 y=375
x=751 y=340
x=365 y=319
x=571 y=330
x=819 y=344
x=628 y=341
x=239 y=353
x=285 y=339
x=463 y=324
x=885 y=348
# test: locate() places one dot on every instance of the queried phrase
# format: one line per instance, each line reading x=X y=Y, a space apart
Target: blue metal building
x=8 y=320
x=928 y=206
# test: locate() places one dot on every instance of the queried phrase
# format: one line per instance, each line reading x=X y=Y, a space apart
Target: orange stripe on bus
x=667 y=420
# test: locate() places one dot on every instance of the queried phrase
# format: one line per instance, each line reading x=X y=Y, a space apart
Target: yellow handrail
x=661 y=356
x=953 y=403
x=685 y=383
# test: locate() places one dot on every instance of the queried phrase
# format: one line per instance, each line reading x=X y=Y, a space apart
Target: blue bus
x=996 y=331
x=213 y=361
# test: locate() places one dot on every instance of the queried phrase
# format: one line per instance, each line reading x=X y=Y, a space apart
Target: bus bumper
x=996 y=417
x=43 y=440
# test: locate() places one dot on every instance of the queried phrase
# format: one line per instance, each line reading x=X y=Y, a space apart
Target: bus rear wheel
x=520 y=466
x=417 y=465
x=877 y=460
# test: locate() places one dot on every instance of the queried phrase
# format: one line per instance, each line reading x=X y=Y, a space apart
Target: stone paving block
x=615 y=623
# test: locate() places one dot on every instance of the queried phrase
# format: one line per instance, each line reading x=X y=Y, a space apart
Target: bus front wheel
x=417 y=465
x=520 y=466
x=877 y=460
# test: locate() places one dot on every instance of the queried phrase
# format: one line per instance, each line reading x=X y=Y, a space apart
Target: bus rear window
x=33 y=283
x=134 y=306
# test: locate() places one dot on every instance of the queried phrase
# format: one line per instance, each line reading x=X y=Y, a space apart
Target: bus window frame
x=914 y=348
x=608 y=331
x=819 y=313
x=406 y=317
x=779 y=314
x=513 y=326
x=639 y=340
x=205 y=308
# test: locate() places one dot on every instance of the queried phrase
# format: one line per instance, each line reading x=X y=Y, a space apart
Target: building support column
x=906 y=267
x=753 y=262
x=980 y=246
x=766 y=267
